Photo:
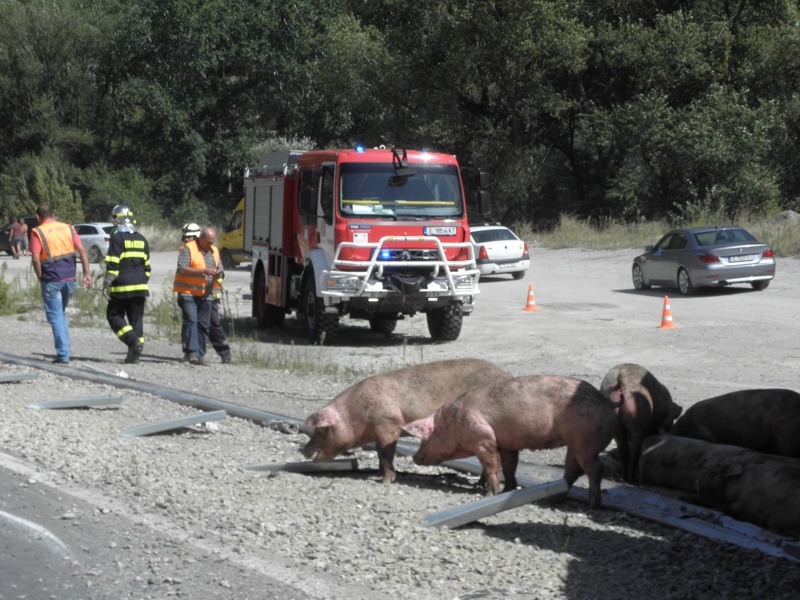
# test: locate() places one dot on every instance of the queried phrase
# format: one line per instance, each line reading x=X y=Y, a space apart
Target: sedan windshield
x=372 y=190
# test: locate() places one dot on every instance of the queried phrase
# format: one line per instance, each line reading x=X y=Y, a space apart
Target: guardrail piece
x=456 y=516
x=14 y=377
x=342 y=464
x=77 y=402
x=161 y=426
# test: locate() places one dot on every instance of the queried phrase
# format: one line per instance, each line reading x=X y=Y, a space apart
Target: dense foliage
x=634 y=109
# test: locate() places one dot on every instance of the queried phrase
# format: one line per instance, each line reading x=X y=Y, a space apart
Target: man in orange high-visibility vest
x=198 y=267
x=53 y=247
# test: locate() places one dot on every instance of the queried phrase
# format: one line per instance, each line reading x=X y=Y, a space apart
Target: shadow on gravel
x=350 y=334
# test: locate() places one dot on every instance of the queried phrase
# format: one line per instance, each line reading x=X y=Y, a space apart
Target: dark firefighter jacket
x=128 y=265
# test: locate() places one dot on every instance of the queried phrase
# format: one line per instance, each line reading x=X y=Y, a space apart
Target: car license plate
x=741 y=258
x=439 y=230
x=509 y=266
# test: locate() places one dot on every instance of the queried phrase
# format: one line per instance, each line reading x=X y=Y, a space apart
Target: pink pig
x=494 y=422
x=375 y=409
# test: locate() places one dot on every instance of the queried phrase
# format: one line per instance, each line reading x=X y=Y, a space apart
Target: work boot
x=134 y=352
x=225 y=358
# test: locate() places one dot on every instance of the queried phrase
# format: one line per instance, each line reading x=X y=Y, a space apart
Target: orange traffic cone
x=666 y=316
x=530 y=305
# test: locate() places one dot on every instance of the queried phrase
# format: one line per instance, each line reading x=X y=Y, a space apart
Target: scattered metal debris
x=162 y=426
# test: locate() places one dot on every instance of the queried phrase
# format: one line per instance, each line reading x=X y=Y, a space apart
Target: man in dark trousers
x=126 y=279
x=216 y=334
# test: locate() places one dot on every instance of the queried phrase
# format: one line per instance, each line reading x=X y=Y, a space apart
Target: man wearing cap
x=198 y=268
x=53 y=247
x=216 y=334
x=125 y=281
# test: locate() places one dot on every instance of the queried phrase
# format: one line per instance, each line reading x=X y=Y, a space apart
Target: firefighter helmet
x=191 y=230
x=121 y=211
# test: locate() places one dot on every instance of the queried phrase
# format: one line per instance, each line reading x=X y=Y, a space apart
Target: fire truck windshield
x=371 y=190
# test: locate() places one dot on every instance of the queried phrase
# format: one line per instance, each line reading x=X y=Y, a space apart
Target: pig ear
x=421 y=428
x=326 y=417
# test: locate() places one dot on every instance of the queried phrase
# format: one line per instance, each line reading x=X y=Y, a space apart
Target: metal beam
x=78 y=402
x=14 y=377
x=162 y=426
x=456 y=516
x=323 y=466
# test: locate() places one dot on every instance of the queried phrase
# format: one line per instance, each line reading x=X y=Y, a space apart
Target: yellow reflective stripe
x=124 y=330
x=134 y=254
x=114 y=259
x=111 y=272
x=129 y=288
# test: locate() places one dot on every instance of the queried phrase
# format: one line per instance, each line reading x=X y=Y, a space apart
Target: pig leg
x=635 y=453
x=624 y=451
x=575 y=466
x=591 y=465
x=490 y=461
x=386 y=457
x=509 y=459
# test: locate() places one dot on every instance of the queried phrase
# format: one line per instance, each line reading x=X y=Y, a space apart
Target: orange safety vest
x=58 y=251
x=194 y=284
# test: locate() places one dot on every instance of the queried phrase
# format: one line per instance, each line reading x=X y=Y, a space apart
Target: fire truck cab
x=374 y=234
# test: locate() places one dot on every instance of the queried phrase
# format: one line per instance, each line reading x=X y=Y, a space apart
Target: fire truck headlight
x=464 y=282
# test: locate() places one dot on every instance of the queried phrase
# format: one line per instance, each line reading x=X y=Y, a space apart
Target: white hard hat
x=191 y=229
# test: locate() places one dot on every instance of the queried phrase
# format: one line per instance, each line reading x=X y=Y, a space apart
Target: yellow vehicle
x=231 y=240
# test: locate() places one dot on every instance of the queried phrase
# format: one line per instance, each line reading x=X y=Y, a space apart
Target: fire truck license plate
x=440 y=231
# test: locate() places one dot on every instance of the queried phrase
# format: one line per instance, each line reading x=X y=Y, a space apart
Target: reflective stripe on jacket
x=58 y=251
x=194 y=284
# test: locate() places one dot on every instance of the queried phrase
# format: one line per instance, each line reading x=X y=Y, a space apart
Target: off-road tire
x=383 y=326
x=444 y=324
x=320 y=326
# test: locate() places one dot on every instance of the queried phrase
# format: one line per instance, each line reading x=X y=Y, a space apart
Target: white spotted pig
x=374 y=409
x=647 y=408
x=494 y=422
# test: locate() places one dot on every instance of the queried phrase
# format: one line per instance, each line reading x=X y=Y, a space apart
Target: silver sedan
x=711 y=256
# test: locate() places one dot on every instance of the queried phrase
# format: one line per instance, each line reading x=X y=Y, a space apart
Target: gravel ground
x=327 y=535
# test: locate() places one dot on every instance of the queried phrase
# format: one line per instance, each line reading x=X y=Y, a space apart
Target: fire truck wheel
x=444 y=323
x=321 y=327
x=267 y=315
x=384 y=326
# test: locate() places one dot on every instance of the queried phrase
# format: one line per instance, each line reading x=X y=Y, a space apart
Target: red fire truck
x=375 y=234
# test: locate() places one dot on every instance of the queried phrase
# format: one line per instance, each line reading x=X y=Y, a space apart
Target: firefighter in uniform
x=125 y=281
x=216 y=334
x=198 y=268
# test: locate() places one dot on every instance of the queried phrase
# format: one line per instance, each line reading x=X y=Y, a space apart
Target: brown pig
x=374 y=409
x=495 y=421
x=647 y=408
x=747 y=485
x=764 y=420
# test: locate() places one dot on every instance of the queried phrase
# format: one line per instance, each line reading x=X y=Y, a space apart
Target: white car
x=499 y=251
x=95 y=237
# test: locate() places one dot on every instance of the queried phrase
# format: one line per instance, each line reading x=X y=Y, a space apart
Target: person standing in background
x=216 y=333
x=126 y=279
x=14 y=235
x=198 y=268
x=53 y=247
x=24 y=239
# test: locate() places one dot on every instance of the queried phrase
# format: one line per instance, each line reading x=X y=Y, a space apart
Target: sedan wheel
x=760 y=285
x=638 y=278
x=685 y=283
x=94 y=255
